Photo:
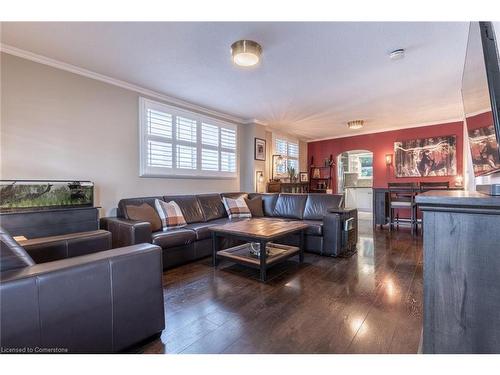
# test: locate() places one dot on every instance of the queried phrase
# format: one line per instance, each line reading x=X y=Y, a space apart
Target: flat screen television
x=481 y=100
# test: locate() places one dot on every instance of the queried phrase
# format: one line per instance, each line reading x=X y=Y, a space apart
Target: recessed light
x=246 y=53
x=397 y=54
x=355 y=124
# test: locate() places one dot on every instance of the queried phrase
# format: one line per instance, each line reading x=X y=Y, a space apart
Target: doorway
x=355 y=179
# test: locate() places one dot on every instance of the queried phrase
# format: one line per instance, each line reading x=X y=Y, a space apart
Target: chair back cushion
x=12 y=256
x=290 y=206
x=212 y=206
x=236 y=208
x=317 y=205
x=145 y=212
x=269 y=201
x=170 y=214
x=255 y=206
x=123 y=203
x=190 y=207
x=234 y=195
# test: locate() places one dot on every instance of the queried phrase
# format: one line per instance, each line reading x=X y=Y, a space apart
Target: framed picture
x=426 y=157
x=304 y=177
x=260 y=149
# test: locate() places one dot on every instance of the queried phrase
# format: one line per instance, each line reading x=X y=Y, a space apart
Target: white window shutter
x=186 y=129
x=159 y=154
x=159 y=123
x=176 y=142
x=209 y=135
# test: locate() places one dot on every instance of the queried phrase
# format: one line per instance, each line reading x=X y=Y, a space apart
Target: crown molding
x=119 y=83
x=390 y=129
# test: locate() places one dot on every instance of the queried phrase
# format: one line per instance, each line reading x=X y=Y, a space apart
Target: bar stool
x=402 y=196
x=426 y=186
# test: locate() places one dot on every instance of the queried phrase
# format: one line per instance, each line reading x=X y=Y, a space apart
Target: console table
x=287 y=187
x=50 y=222
x=461 y=272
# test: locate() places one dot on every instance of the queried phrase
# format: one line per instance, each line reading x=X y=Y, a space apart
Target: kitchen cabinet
x=359 y=197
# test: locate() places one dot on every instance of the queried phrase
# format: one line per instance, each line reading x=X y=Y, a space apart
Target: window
x=290 y=152
x=176 y=142
x=366 y=164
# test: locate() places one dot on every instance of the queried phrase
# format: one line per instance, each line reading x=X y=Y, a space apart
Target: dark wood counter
x=461 y=272
x=381 y=204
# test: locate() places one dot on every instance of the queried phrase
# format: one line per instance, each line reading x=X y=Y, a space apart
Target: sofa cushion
x=12 y=256
x=144 y=212
x=236 y=208
x=123 y=203
x=212 y=207
x=255 y=206
x=170 y=215
x=269 y=201
x=290 y=206
x=202 y=230
x=317 y=205
x=173 y=238
x=223 y=220
x=234 y=195
x=190 y=207
x=314 y=228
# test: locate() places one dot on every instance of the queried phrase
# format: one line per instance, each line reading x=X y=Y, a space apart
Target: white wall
x=59 y=125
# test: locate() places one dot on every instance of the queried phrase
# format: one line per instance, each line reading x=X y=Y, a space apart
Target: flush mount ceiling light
x=356 y=124
x=397 y=54
x=246 y=53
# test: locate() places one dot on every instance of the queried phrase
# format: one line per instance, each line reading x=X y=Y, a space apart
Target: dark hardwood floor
x=368 y=303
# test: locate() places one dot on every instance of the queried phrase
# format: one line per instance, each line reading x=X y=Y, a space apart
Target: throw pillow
x=170 y=214
x=255 y=206
x=236 y=208
x=145 y=212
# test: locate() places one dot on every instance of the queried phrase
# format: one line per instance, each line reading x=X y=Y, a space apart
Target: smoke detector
x=397 y=54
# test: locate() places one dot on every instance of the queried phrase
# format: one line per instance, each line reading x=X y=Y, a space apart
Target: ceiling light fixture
x=397 y=54
x=246 y=53
x=355 y=124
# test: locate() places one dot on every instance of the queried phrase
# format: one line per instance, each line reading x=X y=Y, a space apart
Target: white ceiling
x=313 y=78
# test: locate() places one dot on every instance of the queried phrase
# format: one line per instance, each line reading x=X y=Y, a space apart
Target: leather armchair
x=97 y=303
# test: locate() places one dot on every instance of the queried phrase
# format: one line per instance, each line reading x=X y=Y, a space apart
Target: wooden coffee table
x=262 y=231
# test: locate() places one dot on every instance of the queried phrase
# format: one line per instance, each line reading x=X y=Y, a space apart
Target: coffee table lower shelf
x=276 y=253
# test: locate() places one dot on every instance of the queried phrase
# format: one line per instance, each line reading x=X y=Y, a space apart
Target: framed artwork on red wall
x=426 y=157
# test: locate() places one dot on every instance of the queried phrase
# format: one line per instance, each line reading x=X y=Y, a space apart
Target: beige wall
x=248 y=165
x=58 y=125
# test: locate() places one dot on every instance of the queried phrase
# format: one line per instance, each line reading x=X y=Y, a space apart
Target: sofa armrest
x=333 y=229
x=48 y=249
x=126 y=232
x=102 y=302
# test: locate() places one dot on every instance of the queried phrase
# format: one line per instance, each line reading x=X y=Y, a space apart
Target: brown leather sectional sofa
x=323 y=236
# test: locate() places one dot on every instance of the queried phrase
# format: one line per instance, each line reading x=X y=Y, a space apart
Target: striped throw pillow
x=236 y=208
x=170 y=215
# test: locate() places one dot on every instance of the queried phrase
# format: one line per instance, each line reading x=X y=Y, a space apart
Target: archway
x=355 y=178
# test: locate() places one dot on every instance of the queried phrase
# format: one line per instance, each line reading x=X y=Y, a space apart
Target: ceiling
x=313 y=78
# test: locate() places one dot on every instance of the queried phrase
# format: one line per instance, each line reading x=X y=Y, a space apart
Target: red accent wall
x=383 y=143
